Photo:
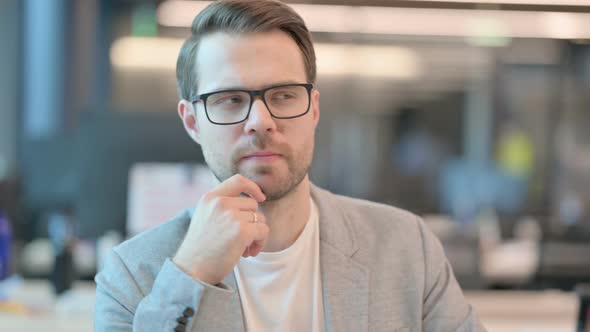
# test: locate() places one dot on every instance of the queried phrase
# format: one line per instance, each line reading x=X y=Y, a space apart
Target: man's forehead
x=254 y=61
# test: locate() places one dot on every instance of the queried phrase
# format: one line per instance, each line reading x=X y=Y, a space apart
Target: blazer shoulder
x=378 y=215
x=381 y=226
x=380 y=232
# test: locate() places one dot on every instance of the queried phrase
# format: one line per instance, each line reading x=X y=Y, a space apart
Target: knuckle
x=216 y=203
x=265 y=231
x=242 y=228
x=250 y=205
x=261 y=218
x=222 y=203
x=241 y=179
x=234 y=215
x=207 y=197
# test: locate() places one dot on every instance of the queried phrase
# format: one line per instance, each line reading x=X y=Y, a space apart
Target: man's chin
x=273 y=186
x=259 y=173
x=265 y=181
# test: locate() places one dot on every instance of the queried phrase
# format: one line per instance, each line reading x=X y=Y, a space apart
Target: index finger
x=238 y=184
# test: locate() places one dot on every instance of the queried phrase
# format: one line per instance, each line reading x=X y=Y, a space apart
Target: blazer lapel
x=345 y=282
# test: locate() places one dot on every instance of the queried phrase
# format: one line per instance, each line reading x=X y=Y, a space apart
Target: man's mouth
x=262 y=156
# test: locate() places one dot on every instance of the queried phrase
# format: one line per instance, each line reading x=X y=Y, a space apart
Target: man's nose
x=259 y=119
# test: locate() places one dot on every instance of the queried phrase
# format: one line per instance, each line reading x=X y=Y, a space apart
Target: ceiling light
x=144 y=53
x=580 y=3
x=416 y=21
x=139 y=53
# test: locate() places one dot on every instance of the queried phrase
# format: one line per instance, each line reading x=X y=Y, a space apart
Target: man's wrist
x=194 y=273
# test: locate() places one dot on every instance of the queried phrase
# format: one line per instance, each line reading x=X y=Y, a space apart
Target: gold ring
x=254 y=218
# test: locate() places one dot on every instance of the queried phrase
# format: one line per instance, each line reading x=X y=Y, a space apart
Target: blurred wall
x=9 y=83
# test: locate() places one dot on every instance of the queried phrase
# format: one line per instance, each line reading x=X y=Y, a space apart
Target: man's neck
x=287 y=217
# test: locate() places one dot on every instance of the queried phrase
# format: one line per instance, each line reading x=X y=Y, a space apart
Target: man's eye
x=235 y=100
x=228 y=100
x=284 y=96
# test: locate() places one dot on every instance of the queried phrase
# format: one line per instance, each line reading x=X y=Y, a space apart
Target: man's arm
x=445 y=307
x=122 y=306
x=220 y=231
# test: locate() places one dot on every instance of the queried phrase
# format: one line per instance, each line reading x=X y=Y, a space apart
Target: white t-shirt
x=282 y=291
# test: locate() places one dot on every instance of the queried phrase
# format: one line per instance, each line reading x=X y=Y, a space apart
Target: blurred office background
x=472 y=114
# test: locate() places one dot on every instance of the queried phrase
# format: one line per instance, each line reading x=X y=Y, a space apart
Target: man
x=266 y=250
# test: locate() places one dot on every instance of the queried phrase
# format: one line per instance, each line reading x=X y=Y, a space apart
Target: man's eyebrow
x=238 y=87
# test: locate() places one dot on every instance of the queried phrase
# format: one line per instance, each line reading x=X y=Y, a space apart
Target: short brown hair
x=241 y=16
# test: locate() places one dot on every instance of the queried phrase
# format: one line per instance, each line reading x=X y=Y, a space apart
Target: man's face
x=255 y=61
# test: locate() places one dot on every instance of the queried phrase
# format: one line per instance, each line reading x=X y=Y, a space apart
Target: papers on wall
x=159 y=191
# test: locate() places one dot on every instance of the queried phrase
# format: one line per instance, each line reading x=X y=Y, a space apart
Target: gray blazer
x=382 y=270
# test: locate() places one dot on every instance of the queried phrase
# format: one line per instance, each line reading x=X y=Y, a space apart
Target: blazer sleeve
x=444 y=305
x=122 y=305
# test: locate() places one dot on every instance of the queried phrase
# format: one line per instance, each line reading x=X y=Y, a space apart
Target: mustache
x=260 y=142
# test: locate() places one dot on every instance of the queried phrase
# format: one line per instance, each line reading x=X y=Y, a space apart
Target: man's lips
x=262 y=156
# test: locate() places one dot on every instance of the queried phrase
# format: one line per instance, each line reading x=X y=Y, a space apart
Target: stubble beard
x=297 y=166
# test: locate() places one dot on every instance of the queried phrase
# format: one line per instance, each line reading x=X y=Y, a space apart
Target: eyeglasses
x=229 y=107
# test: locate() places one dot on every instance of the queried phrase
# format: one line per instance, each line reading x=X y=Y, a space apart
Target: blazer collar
x=335 y=226
x=345 y=282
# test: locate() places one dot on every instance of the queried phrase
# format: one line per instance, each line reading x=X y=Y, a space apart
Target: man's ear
x=315 y=106
x=189 y=119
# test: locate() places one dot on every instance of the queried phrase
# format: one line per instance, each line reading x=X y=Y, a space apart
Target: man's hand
x=223 y=229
